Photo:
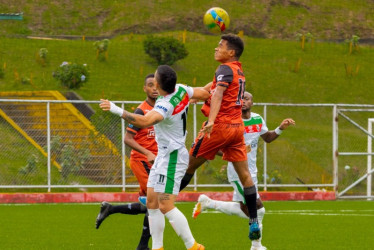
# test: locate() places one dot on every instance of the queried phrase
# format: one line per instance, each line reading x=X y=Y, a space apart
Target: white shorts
x=168 y=170
x=237 y=185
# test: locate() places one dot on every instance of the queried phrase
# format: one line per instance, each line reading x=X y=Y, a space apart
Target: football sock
x=156 y=227
x=145 y=234
x=186 y=179
x=260 y=216
x=228 y=207
x=131 y=208
x=250 y=196
x=180 y=224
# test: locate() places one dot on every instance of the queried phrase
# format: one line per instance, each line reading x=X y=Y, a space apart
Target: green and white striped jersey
x=171 y=132
x=254 y=127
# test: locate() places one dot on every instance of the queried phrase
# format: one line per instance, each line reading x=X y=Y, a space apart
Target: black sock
x=250 y=196
x=131 y=208
x=143 y=244
x=186 y=179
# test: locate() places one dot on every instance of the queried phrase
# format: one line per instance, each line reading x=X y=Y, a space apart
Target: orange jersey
x=229 y=75
x=144 y=136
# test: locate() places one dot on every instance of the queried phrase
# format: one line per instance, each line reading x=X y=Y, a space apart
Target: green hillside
x=335 y=19
x=277 y=70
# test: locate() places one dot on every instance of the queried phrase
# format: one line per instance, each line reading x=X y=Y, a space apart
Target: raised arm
x=215 y=106
x=140 y=121
x=200 y=93
x=272 y=135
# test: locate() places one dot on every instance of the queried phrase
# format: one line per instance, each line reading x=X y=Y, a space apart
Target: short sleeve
x=163 y=107
x=264 y=128
x=224 y=76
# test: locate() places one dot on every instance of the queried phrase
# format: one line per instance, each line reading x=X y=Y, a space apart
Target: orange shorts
x=229 y=138
x=141 y=171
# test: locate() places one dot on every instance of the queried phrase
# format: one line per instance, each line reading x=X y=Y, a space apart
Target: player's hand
x=151 y=157
x=193 y=101
x=286 y=123
x=105 y=104
x=207 y=129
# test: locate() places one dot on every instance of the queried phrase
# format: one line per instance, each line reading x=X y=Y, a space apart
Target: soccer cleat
x=143 y=200
x=258 y=248
x=254 y=231
x=104 y=212
x=197 y=246
x=201 y=205
x=161 y=248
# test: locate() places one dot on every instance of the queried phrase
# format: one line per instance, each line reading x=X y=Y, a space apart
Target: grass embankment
x=276 y=71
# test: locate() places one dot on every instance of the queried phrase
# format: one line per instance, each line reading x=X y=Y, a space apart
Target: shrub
x=42 y=56
x=102 y=49
x=72 y=75
x=165 y=50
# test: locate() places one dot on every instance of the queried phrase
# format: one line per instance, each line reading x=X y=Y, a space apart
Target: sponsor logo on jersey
x=253 y=128
x=162 y=108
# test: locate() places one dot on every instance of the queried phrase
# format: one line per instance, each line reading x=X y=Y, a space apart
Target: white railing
x=271 y=112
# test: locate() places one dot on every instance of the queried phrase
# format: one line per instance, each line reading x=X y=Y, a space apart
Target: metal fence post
x=265 y=157
x=370 y=130
x=123 y=151
x=335 y=152
x=48 y=147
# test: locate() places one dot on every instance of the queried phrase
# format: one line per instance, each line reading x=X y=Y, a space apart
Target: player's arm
x=200 y=93
x=274 y=134
x=206 y=87
x=215 y=105
x=140 y=121
x=131 y=142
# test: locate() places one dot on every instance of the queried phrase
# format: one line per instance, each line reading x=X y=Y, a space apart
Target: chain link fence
x=73 y=145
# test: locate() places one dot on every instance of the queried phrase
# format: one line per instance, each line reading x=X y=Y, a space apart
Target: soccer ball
x=216 y=20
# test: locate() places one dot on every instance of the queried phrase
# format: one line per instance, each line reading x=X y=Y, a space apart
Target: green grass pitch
x=287 y=225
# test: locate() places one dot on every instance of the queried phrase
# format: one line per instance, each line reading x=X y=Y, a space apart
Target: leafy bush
x=102 y=49
x=165 y=50
x=42 y=56
x=72 y=75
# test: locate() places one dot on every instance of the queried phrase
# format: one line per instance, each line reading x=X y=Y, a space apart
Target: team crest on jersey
x=151 y=133
x=253 y=128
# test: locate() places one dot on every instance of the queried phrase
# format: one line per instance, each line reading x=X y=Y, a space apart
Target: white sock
x=180 y=224
x=228 y=207
x=260 y=217
x=156 y=227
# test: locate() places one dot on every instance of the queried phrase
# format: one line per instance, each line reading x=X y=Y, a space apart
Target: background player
x=255 y=127
x=224 y=129
x=169 y=117
x=144 y=150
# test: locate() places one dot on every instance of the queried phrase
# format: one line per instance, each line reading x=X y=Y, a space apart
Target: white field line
x=364 y=212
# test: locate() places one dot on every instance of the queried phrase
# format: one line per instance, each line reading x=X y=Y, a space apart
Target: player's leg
x=167 y=187
x=193 y=165
x=108 y=209
x=256 y=244
x=202 y=149
x=226 y=207
x=250 y=193
x=155 y=217
x=141 y=171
